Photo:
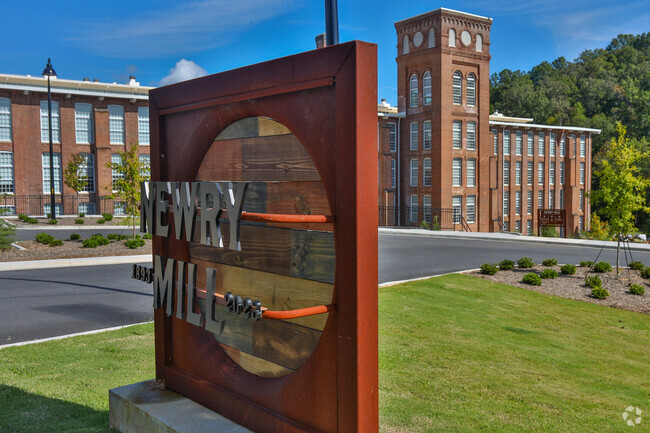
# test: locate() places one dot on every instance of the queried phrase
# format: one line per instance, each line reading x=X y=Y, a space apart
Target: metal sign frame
x=327 y=98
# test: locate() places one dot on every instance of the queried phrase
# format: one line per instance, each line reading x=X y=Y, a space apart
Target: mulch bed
x=69 y=249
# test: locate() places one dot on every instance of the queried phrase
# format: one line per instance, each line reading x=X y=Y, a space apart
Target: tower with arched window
x=443 y=64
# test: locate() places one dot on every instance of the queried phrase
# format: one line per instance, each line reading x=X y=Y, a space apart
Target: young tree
x=622 y=190
x=131 y=172
x=73 y=176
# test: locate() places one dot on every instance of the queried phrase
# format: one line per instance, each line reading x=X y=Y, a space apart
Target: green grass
x=62 y=386
x=461 y=354
x=456 y=354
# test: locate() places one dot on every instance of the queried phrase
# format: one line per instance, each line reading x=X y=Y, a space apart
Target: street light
x=49 y=72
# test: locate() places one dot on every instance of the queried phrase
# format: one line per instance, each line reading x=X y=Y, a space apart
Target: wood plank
x=284 y=343
x=222 y=161
x=268 y=126
x=313 y=255
x=255 y=365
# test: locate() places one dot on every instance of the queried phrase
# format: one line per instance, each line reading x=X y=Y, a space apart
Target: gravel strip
x=573 y=287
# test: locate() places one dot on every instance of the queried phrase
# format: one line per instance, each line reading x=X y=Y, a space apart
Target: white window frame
x=562 y=173
x=45 y=122
x=540 y=199
x=457 y=172
x=495 y=141
x=414 y=93
x=392 y=136
x=529 y=227
x=517 y=173
x=58 y=180
x=506 y=203
x=506 y=172
x=83 y=123
x=471 y=172
x=413 y=211
x=456 y=134
x=145 y=165
x=518 y=143
x=6 y=131
x=87 y=169
x=551 y=145
x=582 y=173
x=506 y=142
x=551 y=199
x=540 y=173
x=563 y=145
x=529 y=173
x=583 y=146
x=116 y=124
x=471 y=90
x=529 y=144
x=457 y=208
x=551 y=173
x=529 y=202
x=426 y=135
x=426 y=172
x=457 y=88
x=7 y=185
x=426 y=88
x=414 y=136
x=470 y=208
x=471 y=135
x=414 y=172
x=541 y=144
x=581 y=205
x=143 y=126
x=115 y=174
x=426 y=208
x=517 y=202
x=452 y=38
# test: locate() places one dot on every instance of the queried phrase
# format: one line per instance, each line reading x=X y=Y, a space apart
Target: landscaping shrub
x=79 y=221
x=90 y=243
x=506 y=265
x=22 y=217
x=489 y=269
x=586 y=263
x=101 y=221
x=7 y=233
x=101 y=240
x=134 y=243
x=53 y=222
x=645 y=273
x=549 y=232
x=636 y=265
x=593 y=281
x=549 y=262
x=146 y=236
x=75 y=236
x=525 y=263
x=107 y=216
x=44 y=238
x=81 y=214
x=548 y=274
x=112 y=236
x=568 y=269
x=599 y=293
x=31 y=220
x=532 y=279
x=424 y=225
x=56 y=242
x=637 y=289
x=601 y=267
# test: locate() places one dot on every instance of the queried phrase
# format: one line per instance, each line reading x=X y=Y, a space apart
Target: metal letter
x=210 y=216
x=193 y=317
x=162 y=206
x=234 y=205
x=214 y=326
x=180 y=290
x=163 y=279
x=147 y=199
x=184 y=206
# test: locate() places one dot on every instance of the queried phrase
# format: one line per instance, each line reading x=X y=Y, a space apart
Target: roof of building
x=537 y=126
x=496 y=116
x=131 y=90
x=465 y=14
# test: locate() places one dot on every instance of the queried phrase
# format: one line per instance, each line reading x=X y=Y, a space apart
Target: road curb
x=67 y=263
x=514 y=238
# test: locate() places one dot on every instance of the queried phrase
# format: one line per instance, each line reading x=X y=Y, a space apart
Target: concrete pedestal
x=145 y=408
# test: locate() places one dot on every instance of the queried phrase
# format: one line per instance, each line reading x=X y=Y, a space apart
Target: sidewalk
x=513 y=238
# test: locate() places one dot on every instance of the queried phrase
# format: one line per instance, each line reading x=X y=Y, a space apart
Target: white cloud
x=190 y=26
x=184 y=70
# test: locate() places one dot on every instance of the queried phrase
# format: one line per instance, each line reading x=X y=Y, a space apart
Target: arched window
x=413 y=85
x=452 y=37
x=426 y=88
x=432 y=39
x=479 y=43
x=471 y=90
x=405 y=45
x=457 y=88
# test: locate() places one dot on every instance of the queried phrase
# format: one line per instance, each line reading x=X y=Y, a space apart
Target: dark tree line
x=598 y=89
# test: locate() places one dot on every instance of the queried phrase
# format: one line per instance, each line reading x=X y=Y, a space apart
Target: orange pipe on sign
x=286 y=218
x=294 y=314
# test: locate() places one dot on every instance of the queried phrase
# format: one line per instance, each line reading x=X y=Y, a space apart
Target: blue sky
x=164 y=41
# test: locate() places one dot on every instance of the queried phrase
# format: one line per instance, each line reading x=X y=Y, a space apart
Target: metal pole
x=49 y=118
x=331 y=22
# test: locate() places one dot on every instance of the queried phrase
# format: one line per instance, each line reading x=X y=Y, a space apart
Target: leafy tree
x=7 y=232
x=622 y=190
x=126 y=187
x=73 y=176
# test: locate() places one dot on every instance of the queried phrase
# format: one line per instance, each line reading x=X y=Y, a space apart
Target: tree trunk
x=618 y=249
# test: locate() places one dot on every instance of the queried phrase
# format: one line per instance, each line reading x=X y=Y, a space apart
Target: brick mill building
x=444 y=160
x=90 y=118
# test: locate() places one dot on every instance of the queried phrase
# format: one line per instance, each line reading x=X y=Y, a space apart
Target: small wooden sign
x=552 y=217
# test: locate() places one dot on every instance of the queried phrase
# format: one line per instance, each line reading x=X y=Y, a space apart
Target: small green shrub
x=53 y=222
x=549 y=232
x=7 y=234
x=601 y=267
x=525 y=263
x=82 y=214
x=489 y=269
x=637 y=266
x=134 y=243
x=101 y=221
x=506 y=265
x=599 y=293
x=112 y=236
x=90 y=243
x=31 y=220
x=56 y=242
x=568 y=269
x=549 y=262
x=532 y=279
x=637 y=289
x=44 y=238
x=548 y=274
x=101 y=240
x=75 y=236
x=586 y=263
x=107 y=216
x=425 y=225
x=79 y=221
x=593 y=281
x=22 y=216
x=645 y=273
x=146 y=236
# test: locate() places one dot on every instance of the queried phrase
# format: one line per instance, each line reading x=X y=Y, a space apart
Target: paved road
x=50 y=302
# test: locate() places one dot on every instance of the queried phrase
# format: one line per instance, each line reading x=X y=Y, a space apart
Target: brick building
x=89 y=118
x=444 y=160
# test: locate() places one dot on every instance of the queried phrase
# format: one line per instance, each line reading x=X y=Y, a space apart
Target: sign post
x=263 y=207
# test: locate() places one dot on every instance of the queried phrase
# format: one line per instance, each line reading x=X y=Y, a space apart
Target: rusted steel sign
x=263 y=208
x=551 y=217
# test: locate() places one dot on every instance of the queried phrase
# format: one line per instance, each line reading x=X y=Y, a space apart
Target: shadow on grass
x=24 y=412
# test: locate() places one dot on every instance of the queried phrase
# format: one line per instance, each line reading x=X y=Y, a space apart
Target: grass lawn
x=456 y=354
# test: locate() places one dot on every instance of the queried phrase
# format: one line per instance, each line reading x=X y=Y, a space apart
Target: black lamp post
x=49 y=72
